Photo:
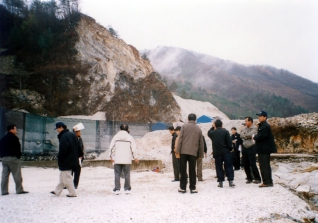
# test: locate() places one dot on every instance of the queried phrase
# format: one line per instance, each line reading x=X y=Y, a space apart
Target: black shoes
x=182 y=191
x=5 y=194
x=174 y=180
x=231 y=184
x=220 y=184
x=249 y=181
x=23 y=192
x=52 y=192
x=193 y=191
x=69 y=196
x=116 y=191
x=266 y=185
x=256 y=181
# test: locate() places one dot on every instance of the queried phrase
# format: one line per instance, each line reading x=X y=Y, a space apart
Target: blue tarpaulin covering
x=205 y=119
x=158 y=126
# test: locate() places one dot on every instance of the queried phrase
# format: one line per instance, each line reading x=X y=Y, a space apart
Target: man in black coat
x=222 y=146
x=10 y=152
x=236 y=142
x=67 y=159
x=265 y=145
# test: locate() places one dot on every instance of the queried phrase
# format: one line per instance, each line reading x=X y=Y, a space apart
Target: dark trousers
x=11 y=164
x=228 y=166
x=77 y=172
x=249 y=161
x=199 y=168
x=176 y=168
x=184 y=159
x=118 y=169
x=236 y=159
x=265 y=167
x=178 y=162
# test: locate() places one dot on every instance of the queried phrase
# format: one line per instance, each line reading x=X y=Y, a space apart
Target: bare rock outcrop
x=124 y=84
x=90 y=71
x=297 y=134
x=106 y=57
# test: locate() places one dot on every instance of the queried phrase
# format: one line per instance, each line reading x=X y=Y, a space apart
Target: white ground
x=154 y=198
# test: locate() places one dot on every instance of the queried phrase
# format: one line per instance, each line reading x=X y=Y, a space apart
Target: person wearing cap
x=190 y=147
x=122 y=152
x=222 y=147
x=77 y=170
x=265 y=145
x=10 y=152
x=67 y=159
x=249 y=152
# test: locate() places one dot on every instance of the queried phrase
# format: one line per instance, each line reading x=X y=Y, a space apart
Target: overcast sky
x=279 y=33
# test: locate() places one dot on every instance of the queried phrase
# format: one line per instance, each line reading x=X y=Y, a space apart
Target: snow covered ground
x=154 y=198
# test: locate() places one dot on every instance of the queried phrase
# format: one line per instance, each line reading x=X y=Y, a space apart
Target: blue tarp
x=158 y=126
x=205 y=119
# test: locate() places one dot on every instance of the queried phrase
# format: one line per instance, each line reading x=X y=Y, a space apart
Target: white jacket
x=122 y=148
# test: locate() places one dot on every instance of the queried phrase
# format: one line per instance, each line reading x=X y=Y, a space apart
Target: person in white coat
x=123 y=149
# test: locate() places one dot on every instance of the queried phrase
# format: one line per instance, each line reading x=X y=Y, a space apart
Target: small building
x=205 y=119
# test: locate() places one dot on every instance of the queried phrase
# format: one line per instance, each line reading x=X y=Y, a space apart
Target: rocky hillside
x=92 y=71
x=297 y=134
x=235 y=89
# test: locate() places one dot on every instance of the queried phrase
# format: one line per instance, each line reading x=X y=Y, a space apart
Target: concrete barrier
x=143 y=164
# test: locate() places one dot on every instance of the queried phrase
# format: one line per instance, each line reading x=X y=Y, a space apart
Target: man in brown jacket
x=190 y=146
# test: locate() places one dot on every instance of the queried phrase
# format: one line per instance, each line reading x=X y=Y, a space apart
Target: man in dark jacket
x=222 y=146
x=236 y=142
x=265 y=145
x=67 y=159
x=176 y=171
x=10 y=152
x=190 y=147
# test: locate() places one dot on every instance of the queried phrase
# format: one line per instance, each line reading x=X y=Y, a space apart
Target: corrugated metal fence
x=38 y=137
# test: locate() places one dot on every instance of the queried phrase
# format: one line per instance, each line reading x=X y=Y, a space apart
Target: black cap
x=59 y=124
x=262 y=113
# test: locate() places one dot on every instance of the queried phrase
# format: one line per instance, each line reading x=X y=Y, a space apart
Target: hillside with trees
x=57 y=61
x=235 y=89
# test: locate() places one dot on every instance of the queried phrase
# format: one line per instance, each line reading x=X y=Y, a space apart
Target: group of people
x=70 y=156
x=188 y=146
x=187 y=149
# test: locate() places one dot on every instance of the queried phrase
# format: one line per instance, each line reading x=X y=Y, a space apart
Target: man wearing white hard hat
x=77 y=170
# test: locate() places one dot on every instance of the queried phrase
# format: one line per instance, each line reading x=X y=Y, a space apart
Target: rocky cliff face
x=297 y=134
x=122 y=82
x=99 y=73
x=106 y=57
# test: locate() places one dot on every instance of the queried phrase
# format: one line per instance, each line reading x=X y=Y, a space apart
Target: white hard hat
x=78 y=127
